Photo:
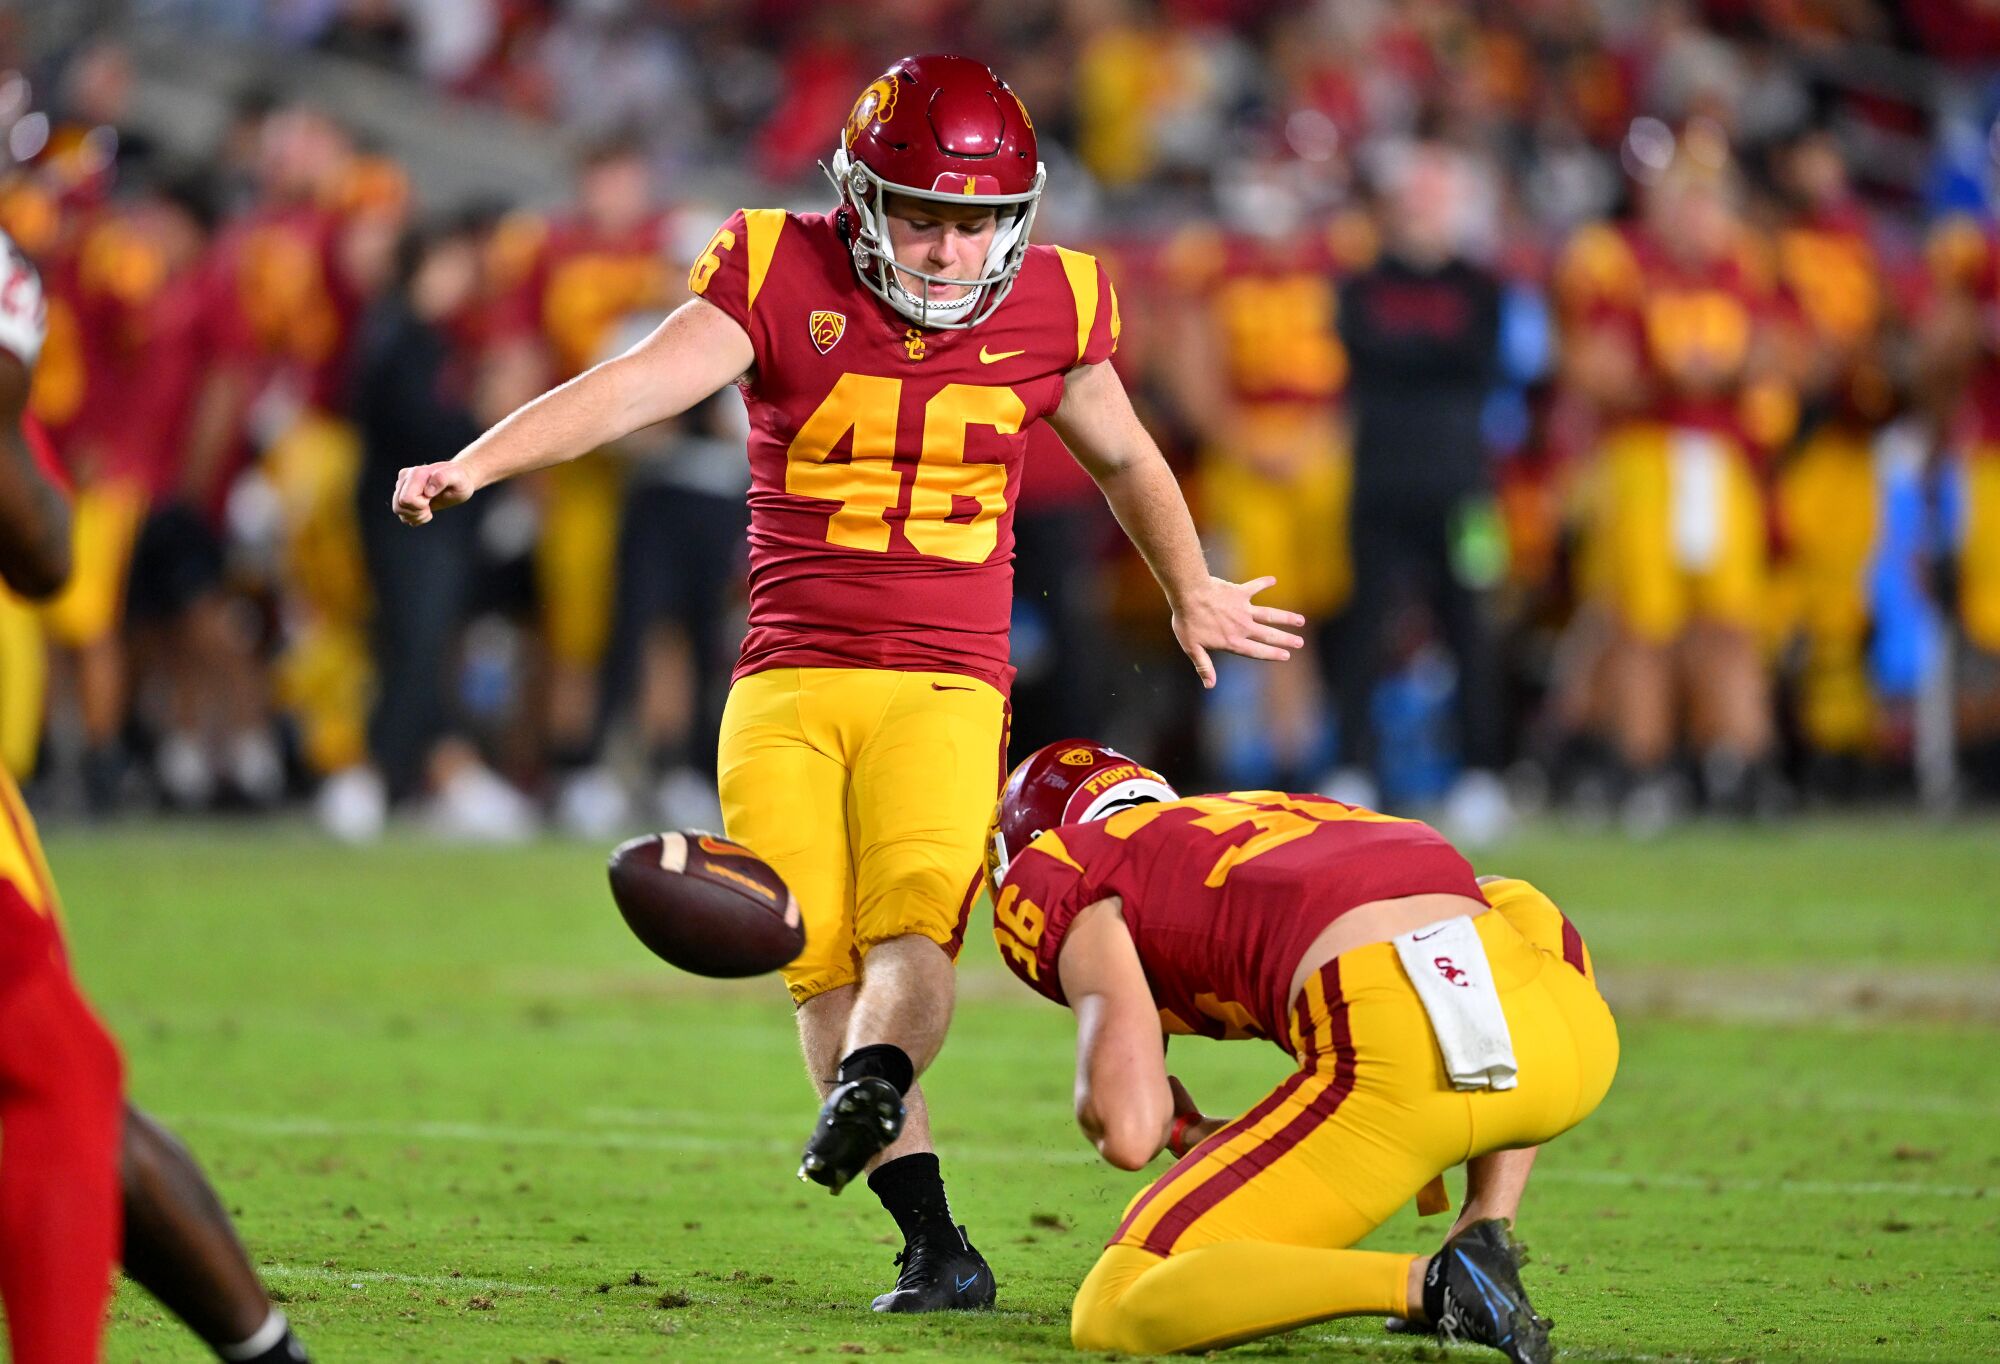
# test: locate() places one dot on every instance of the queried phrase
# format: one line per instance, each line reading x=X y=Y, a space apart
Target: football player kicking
x=892 y=355
x=1436 y=1019
x=73 y=1154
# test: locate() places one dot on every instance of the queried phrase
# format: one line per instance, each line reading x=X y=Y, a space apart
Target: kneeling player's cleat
x=1403 y=1326
x=856 y=1123
x=1472 y=1292
x=941 y=1273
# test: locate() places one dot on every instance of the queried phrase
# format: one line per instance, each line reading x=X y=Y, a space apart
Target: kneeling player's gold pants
x=869 y=790
x=1247 y=1234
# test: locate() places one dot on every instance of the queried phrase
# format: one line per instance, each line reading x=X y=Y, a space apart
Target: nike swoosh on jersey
x=939 y=686
x=987 y=357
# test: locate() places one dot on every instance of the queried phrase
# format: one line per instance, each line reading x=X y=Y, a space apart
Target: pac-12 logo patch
x=1077 y=757
x=826 y=329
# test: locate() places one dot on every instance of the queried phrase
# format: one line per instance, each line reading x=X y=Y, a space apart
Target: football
x=705 y=904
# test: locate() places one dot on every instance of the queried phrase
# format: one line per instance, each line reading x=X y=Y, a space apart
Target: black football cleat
x=856 y=1123
x=1472 y=1292
x=940 y=1274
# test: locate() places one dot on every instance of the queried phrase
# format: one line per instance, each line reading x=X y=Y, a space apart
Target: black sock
x=912 y=1189
x=884 y=1060
x=1433 y=1289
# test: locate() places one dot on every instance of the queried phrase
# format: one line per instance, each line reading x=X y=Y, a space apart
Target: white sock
x=269 y=1334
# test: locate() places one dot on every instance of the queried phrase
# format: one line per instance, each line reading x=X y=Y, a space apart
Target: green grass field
x=461 y=1115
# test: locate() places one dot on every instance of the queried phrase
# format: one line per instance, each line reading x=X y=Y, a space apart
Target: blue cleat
x=1472 y=1292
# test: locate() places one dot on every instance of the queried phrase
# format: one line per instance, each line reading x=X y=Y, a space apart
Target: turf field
x=461 y=1115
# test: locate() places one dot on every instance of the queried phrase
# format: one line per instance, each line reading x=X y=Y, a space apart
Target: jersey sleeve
x=1097 y=321
x=24 y=310
x=731 y=270
x=1037 y=902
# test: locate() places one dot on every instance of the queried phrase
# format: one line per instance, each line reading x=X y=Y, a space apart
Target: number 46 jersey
x=885 y=459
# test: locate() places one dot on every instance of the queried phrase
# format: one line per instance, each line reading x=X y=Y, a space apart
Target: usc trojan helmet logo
x=877 y=104
x=826 y=329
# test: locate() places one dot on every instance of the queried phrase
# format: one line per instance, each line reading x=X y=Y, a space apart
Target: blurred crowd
x=1616 y=387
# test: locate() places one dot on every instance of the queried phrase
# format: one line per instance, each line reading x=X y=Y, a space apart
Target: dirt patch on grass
x=1805 y=994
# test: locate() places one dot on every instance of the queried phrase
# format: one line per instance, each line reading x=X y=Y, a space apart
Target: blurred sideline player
x=1827 y=493
x=1428 y=1032
x=580 y=276
x=1261 y=369
x=1669 y=336
x=679 y=569
x=290 y=295
x=1961 y=344
x=866 y=727
x=72 y=1153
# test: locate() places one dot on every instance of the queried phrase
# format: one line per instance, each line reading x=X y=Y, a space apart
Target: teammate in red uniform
x=582 y=274
x=1671 y=338
x=892 y=355
x=1428 y=1031
x=75 y=1153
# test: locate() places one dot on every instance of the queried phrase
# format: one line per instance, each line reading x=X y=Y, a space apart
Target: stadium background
x=236 y=178
x=428 y=1079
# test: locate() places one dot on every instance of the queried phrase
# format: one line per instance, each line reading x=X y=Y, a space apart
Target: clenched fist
x=425 y=489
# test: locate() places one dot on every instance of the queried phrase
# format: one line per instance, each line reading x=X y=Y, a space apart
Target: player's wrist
x=1185 y=1134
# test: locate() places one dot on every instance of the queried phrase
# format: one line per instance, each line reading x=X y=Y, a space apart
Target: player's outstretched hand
x=1223 y=617
x=426 y=489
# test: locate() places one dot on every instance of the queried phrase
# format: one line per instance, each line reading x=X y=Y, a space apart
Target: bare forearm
x=568 y=421
x=1149 y=507
x=1122 y=1102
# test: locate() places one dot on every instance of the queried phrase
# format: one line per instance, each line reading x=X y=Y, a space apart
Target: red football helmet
x=942 y=128
x=1071 y=782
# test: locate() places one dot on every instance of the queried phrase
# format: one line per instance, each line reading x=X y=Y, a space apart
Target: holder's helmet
x=1071 y=782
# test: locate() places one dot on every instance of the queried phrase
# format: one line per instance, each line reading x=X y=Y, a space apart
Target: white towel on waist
x=1447 y=963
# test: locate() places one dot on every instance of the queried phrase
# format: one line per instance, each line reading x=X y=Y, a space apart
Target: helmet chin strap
x=922 y=308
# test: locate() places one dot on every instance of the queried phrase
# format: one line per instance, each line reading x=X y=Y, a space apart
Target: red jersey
x=291 y=308
x=1834 y=279
x=1272 y=306
x=1222 y=895
x=1694 y=326
x=885 y=459
x=579 y=283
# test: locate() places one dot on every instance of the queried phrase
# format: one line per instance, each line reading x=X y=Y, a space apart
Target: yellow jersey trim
x=762 y=226
x=1081 y=271
x=1052 y=845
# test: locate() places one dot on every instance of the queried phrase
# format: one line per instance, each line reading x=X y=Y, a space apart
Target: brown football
x=705 y=904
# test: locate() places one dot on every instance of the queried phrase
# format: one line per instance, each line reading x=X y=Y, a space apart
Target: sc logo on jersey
x=826 y=328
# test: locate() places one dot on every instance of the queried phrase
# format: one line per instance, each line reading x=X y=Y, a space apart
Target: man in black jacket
x=1422 y=331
